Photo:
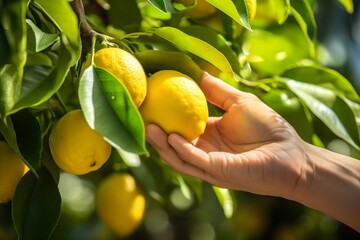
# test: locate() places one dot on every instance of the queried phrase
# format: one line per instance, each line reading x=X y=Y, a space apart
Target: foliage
x=41 y=56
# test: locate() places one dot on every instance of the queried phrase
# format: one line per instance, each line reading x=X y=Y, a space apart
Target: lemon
x=120 y=203
x=125 y=67
x=12 y=168
x=175 y=103
x=76 y=148
x=202 y=9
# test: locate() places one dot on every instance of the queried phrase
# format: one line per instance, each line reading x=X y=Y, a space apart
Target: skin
x=252 y=148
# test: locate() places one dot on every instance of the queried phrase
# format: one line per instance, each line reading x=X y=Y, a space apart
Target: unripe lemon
x=120 y=203
x=12 y=168
x=175 y=102
x=76 y=148
x=125 y=67
x=202 y=9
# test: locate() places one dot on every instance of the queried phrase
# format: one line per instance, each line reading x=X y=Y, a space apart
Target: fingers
x=218 y=92
x=159 y=140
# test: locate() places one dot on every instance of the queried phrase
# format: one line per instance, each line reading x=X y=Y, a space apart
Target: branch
x=86 y=32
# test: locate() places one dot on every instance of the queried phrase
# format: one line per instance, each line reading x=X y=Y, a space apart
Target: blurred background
x=256 y=217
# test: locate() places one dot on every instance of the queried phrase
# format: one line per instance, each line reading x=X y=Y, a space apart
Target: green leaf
x=37 y=39
x=155 y=60
x=56 y=11
x=226 y=200
x=281 y=8
x=29 y=137
x=195 y=46
x=216 y=40
x=235 y=9
x=36 y=206
x=22 y=131
x=304 y=15
x=13 y=21
x=330 y=109
x=124 y=15
x=348 y=5
x=109 y=109
x=5 y=46
x=163 y=5
x=325 y=77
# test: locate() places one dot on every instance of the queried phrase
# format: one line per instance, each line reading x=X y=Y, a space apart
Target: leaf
x=236 y=9
x=226 y=201
x=36 y=206
x=325 y=77
x=124 y=15
x=22 y=131
x=304 y=15
x=163 y=5
x=109 y=109
x=155 y=60
x=56 y=11
x=28 y=136
x=348 y=5
x=281 y=8
x=5 y=46
x=13 y=22
x=195 y=46
x=37 y=39
x=216 y=40
x=329 y=109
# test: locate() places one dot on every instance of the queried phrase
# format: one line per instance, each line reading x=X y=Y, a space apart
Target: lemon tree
x=80 y=80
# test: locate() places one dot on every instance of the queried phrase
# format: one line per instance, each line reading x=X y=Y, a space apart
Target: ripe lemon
x=175 y=103
x=125 y=67
x=75 y=147
x=202 y=9
x=12 y=168
x=120 y=203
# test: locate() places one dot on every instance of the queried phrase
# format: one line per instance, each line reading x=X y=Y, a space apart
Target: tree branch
x=86 y=32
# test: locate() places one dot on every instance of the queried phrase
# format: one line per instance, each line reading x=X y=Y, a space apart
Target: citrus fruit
x=125 y=67
x=201 y=9
x=12 y=168
x=120 y=203
x=175 y=102
x=76 y=148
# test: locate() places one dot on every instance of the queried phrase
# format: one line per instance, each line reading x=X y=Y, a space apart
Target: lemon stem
x=61 y=101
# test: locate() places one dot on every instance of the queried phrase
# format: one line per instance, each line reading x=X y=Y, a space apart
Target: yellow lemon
x=120 y=203
x=76 y=148
x=12 y=168
x=202 y=9
x=125 y=67
x=175 y=103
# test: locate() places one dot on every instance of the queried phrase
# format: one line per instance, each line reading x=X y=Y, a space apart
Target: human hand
x=250 y=148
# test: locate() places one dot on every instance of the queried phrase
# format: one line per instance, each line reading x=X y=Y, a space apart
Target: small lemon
x=125 y=67
x=75 y=147
x=175 y=102
x=12 y=168
x=120 y=203
x=202 y=9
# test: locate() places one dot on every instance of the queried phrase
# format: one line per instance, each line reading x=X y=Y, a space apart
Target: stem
x=62 y=103
x=86 y=32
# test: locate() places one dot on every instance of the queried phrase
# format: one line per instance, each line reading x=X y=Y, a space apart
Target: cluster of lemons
x=167 y=98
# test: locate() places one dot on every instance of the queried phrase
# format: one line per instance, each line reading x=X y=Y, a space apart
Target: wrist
x=331 y=184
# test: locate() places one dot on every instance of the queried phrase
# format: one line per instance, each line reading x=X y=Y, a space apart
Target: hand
x=250 y=148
